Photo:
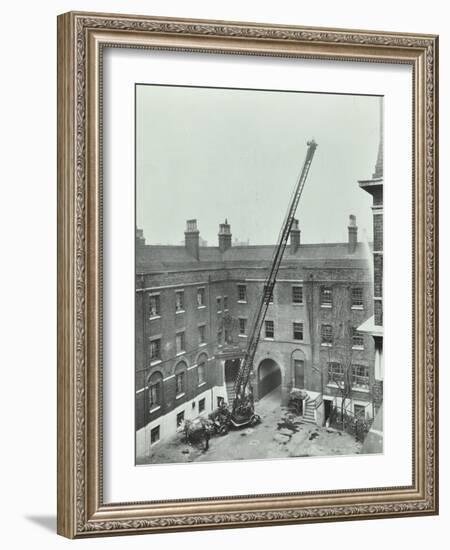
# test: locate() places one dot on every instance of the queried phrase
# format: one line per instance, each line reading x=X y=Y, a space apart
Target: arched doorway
x=269 y=377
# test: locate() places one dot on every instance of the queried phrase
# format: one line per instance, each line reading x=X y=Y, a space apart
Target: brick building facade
x=194 y=309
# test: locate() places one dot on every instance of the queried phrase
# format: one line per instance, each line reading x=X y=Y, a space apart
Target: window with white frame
x=360 y=376
x=180 y=379
x=202 y=334
x=269 y=329
x=357 y=297
x=242 y=293
x=154 y=305
x=326 y=296
x=155 y=349
x=335 y=372
x=297 y=294
x=201 y=301
x=201 y=373
x=179 y=300
x=201 y=405
x=180 y=341
x=242 y=325
x=154 y=435
x=155 y=390
x=297 y=329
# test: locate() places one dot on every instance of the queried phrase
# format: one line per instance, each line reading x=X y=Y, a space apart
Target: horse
x=196 y=431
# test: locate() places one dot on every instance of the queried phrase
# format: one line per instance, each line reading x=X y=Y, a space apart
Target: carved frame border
x=81 y=37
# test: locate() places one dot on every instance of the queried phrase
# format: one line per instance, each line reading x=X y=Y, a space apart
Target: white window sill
x=155 y=362
x=180 y=395
x=297 y=304
x=180 y=353
x=326 y=345
x=326 y=306
x=203 y=344
x=153 y=317
x=358 y=308
x=202 y=384
x=269 y=338
x=360 y=389
x=242 y=301
x=242 y=335
x=155 y=409
x=359 y=348
x=179 y=311
x=333 y=385
x=155 y=443
x=201 y=307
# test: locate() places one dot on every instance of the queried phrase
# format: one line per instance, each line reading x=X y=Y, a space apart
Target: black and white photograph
x=259 y=274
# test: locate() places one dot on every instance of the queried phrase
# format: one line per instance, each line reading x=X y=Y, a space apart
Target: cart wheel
x=256 y=419
x=224 y=430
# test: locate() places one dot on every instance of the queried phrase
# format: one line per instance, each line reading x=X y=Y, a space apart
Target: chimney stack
x=140 y=239
x=295 y=237
x=192 y=239
x=352 y=234
x=224 y=236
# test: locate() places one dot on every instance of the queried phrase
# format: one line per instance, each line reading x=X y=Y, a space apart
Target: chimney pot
x=224 y=236
x=352 y=234
x=295 y=236
x=192 y=239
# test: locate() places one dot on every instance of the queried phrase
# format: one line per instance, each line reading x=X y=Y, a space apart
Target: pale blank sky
x=212 y=154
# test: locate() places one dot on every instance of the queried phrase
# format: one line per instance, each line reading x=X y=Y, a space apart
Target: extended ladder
x=242 y=379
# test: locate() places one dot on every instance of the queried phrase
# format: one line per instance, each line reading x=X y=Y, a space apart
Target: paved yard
x=280 y=434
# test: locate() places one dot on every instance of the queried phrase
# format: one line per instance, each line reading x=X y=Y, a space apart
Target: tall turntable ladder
x=242 y=385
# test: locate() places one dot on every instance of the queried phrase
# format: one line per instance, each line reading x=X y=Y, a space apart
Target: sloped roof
x=151 y=258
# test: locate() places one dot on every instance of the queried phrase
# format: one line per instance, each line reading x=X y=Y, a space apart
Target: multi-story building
x=194 y=309
x=374 y=325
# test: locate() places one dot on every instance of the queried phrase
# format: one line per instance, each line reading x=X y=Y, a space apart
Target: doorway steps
x=309 y=415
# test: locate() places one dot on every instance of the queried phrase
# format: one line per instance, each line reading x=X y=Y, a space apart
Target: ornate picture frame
x=82 y=40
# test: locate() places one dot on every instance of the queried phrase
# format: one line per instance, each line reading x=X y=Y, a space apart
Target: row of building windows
x=221 y=301
x=326 y=298
x=155 y=383
x=269 y=329
x=359 y=375
x=327 y=336
x=180 y=343
x=155 y=302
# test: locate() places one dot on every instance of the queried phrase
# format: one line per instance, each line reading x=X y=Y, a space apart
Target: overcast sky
x=212 y=154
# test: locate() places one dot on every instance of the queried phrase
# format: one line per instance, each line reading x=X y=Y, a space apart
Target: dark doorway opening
x=269 y=377
x=328 y=405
